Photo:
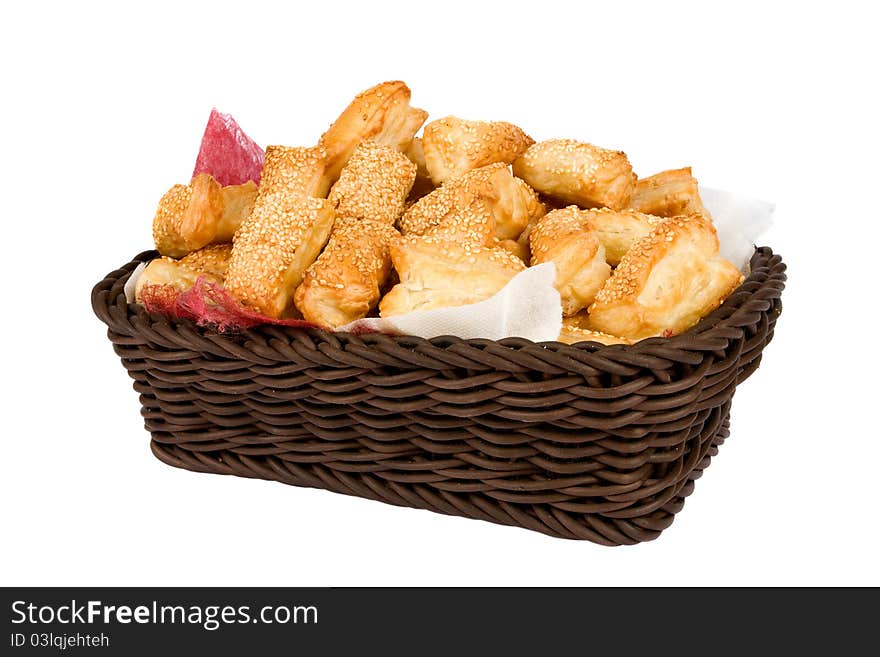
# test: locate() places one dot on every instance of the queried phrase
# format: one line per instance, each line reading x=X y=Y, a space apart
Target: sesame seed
x=374 y=184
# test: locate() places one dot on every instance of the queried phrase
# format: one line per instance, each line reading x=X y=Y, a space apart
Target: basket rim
x=743 y=307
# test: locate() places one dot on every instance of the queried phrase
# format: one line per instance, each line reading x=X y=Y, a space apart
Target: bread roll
x=577 y=172
x=474 y=224
x=618 y=230
x=210 y=262
x=454 y=146
x=513 y=203
x=343 y=284
x=668 y=194
x=274 y=246
x=381 y=113
x=438 y=273
x=565 y=238
x=666 y=282
x=374 y=184
x=192 y=216
x=295 y=170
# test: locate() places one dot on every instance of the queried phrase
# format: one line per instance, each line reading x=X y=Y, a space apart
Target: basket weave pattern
x=576 y=441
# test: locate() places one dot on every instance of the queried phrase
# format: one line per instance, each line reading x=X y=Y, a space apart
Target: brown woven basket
x=583 y=441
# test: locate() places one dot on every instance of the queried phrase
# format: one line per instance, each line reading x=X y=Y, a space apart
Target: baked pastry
x=296 y=170
x=454 y=146
x=374 y=184
x=343 y=284
x=436 y=273
x=210 y=262
x=192 y=216
x=423 y=184
x=564 y=237
x=468 y=223
x=474 y=224
x=668 y=194
x=666 y=282
x=274 y=246
x=516 y=247
x=577 y=172
x=572 y=333
x=523 y=247
x=513 y=203
x=618 y=230
x=238 y=202
x=381 y=113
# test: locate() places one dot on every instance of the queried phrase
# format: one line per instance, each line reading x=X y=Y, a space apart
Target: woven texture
x=576 y=441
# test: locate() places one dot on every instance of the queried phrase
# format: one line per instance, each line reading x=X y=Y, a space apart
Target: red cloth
x=227 y=153
x=208 y=304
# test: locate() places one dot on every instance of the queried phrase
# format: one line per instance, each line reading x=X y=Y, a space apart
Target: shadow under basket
x=583 y=441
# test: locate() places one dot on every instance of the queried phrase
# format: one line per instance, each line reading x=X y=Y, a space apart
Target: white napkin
x=131 y=283
x=739 y=220
x=527 y=307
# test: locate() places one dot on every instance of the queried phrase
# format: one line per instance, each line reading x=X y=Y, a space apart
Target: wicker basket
x=583 y=442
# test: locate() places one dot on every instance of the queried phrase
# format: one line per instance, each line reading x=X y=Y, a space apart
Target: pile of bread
x=376 y=219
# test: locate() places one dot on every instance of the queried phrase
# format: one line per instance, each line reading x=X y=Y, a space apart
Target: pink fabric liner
x=227 y=153
x=208 y=304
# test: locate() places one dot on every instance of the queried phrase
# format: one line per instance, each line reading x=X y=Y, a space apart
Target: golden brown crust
x=374 y=184
x=165 y=272
x=381 y=113
x=423 y=184
x=523 y=241
x=618 y=230
x=274 y=246
x=668 y=194
x=666 y=282
x=512 y=201
x=517 y=248
x=238 y=203
x=437 y=273
x=454 y=146
x=343 y=284
x=577 y=172
x=416 y=155
x=572 y=333
x=188 y=216
x=474 y=224
x=564 y=237
x=295 y=170
x=209 y=262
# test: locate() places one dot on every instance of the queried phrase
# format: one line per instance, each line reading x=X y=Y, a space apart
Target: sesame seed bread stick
x=296 y=170
x=344 y=283
x=474 y=224
x=454 y=146
x=274 y=246
x=374 y=184
x=577 y=172
x=512 y=201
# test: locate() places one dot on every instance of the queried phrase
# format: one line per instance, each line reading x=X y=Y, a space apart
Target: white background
x=103 y=109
